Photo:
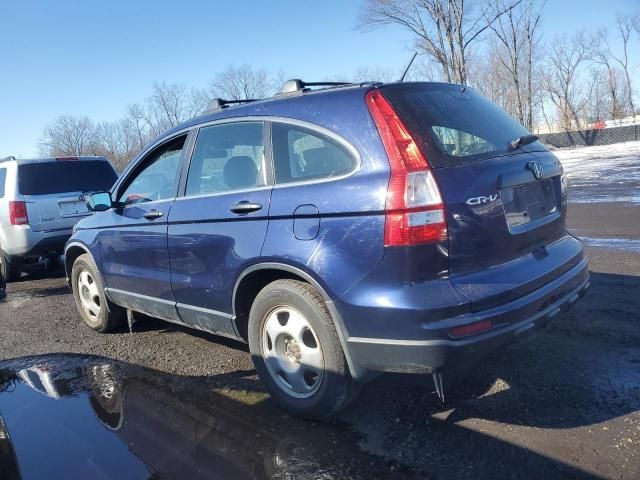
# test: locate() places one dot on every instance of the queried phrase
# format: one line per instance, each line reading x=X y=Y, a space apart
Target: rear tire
x=92 y=303
x=10 y=271
x=297 y=352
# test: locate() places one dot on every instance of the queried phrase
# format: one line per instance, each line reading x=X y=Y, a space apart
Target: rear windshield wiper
x=520 y=141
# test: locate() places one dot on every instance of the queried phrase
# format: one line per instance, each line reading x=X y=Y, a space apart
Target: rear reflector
x=414 y=208
x=18 y=213
x=471 y=329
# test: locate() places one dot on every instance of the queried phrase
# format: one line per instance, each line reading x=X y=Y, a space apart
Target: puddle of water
x=89 y=418
x=614 y=243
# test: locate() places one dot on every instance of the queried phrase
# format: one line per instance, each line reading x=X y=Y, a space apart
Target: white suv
x=40 y=202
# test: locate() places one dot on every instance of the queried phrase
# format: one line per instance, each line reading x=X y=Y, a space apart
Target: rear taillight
x=414 y=209
x=18 y=213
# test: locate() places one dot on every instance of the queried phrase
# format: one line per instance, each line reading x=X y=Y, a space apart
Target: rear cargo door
x=497 y=210
x=55 y=192
x=505 y=204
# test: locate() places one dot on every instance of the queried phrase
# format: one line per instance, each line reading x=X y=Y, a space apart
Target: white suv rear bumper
x=21 y=240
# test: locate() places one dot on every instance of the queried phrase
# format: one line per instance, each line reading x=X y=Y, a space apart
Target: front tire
x=297 y=352
x=88 y=292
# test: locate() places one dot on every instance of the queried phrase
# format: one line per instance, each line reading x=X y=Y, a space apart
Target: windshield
x=66 y=176
x=455 y=122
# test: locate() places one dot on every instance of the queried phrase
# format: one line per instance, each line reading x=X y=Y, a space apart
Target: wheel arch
x=71 y=253
x=256 y=277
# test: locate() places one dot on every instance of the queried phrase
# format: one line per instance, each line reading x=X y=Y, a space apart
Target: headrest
x=240 y=172
x=317 y=161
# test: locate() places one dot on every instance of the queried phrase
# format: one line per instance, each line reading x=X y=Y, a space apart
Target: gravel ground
x=562 y=404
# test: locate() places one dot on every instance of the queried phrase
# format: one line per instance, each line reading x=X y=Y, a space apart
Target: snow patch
x=607 y=173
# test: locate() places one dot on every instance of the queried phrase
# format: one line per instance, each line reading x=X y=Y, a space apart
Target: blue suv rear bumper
x=432 y=349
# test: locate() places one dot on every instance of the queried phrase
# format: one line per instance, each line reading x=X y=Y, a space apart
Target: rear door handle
x=244 y=207
x=153 y=214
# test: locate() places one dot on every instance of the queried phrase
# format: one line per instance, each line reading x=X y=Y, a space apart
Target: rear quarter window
x=46 y=178
x=454 y=124
x=302 y=154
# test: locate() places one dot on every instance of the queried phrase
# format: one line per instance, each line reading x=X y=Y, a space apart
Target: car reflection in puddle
x=68 y=416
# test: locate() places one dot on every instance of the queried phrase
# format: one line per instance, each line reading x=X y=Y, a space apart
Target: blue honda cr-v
x=341 y=232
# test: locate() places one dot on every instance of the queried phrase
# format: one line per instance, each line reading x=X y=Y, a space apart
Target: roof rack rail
x=219 y=103
x=297 y=85
x=10 y=157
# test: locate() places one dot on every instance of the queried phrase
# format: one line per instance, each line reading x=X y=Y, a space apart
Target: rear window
x=3 y=179
x=455 y=124
x=67 y=176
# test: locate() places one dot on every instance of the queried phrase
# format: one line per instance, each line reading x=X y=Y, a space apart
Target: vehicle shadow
x=38 y=272
x=53 y=291
x=145 y=323
x=579 y=373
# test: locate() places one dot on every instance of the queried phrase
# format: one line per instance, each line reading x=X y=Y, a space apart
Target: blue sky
x=93 y=58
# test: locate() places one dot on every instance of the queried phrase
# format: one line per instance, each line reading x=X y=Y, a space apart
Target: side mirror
x=99 y=202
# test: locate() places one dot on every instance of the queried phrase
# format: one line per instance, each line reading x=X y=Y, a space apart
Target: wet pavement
x=74 y=416
x=166 y=402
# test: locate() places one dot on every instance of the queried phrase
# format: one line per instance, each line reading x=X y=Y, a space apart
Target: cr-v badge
x=481 y=200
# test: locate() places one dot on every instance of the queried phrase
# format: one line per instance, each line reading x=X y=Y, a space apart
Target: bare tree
x=136 y=119
x=278 y=80
x=599 y=105
x=532 y=22
x=516 y=31
x=563 y=81
x=374 y=74
x=241 y=83
x=446 y=30
x=168 y=106
x=117 y=141
x=172 y=104
x=625 y=25
x=491 y=79
x=68 y=135
x=612 y=76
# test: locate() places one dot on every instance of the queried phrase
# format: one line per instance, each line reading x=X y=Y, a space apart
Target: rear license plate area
x=69 y=209
x=525 y=204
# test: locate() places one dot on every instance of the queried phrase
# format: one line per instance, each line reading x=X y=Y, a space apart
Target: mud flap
x=439 y=384
x=130 y=319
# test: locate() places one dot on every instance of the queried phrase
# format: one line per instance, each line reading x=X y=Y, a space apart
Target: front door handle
x=244 y=207
x=152 y=214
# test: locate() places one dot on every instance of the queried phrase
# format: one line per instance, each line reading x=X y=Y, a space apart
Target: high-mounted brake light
x=66 y=159
x=18 y=213
x=414 y=208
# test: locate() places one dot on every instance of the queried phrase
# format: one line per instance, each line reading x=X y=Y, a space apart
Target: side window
x=3 y=179
x=157 y=178
x=303 y=154
x=227 y=157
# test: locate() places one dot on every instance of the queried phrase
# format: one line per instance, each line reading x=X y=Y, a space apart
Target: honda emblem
x=537 y=169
